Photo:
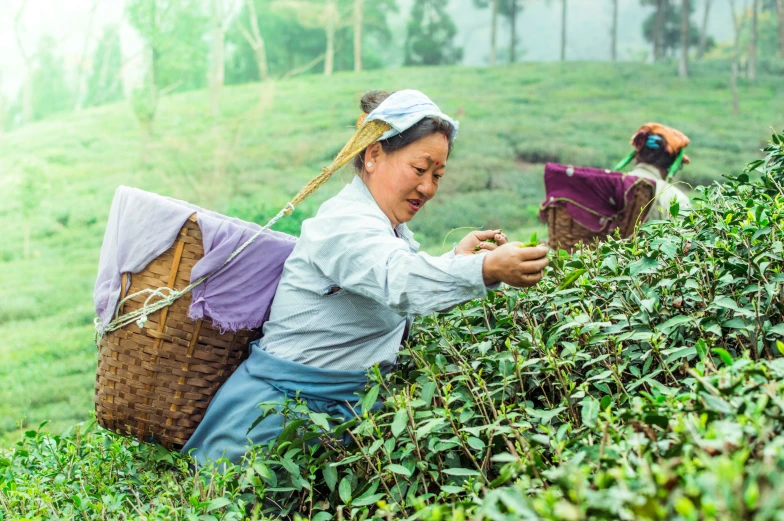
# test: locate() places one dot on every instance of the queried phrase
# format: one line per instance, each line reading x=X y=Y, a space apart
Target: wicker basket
x=565 y=233
x=155 y=384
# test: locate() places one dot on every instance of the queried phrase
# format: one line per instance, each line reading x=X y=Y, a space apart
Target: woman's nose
x=427 y=188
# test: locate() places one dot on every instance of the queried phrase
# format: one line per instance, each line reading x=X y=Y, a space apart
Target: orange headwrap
x=674 y=140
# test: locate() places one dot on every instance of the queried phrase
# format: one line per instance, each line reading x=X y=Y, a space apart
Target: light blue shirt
x=351 y=286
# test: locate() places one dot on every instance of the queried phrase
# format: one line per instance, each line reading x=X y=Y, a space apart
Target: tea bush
x=640 y=380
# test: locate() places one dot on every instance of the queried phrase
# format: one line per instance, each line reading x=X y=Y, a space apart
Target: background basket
x=565 y=233
x=155 y=383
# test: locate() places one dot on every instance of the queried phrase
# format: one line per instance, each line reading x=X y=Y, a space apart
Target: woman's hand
x=515 y=265
x=474 y=242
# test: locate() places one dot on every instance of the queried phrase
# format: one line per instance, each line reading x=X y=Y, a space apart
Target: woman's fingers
x=531 y=279
x=501 y=239
x=483 y=235
x=534 y=266
x=531 y=252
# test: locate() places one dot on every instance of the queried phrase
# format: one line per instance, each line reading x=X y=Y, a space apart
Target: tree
x=494 y=11
x=317 y=14
x=173 y=32
x=659 y=34
x=358 y=35
x=780 y=20
x=80 y=88
x=683 y=64
x=704 y=30
x=737 y=24
x=49 y=88
x=614 y=32
x=430 y=35
x=296 y=45
x=753 y=40
x=331 y=21
x=255 y=40
x=654 y=26
x=27 y=60
x=509 y=9
x=103 y=83
x=221 y=12
x=563 y=30
x=664 y=28
x=374 y=36
x=493 y=29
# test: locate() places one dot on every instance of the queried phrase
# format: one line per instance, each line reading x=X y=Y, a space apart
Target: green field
x=57 y=178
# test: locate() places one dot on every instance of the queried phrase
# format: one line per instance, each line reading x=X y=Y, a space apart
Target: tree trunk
x=358 y=35
x=152 y=91
x=513 y=39
x=261 y=62
x=683 y=65
x=103 y=78
x=614 y=32
x=256 y=41
x=658 y=30
x=704 y=30
x=753 y=42
x=735 y=59
x=780 y=18
x=563 y=30
x=734 y=84
x=218 y=42
x=27 y=86
x=329 y=57
x=493 y=27
x=79 y=94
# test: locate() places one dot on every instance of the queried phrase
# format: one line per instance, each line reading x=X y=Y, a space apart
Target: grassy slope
x=511 y=118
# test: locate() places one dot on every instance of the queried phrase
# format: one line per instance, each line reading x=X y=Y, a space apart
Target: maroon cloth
x=591 y=196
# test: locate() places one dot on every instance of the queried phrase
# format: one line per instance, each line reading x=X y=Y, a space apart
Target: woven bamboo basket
x=155 y=383
x=565 y=233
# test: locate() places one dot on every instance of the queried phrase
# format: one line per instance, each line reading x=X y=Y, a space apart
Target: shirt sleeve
x=363 y=256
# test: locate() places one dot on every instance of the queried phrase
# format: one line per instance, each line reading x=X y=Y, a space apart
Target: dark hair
x=658 y=157
x=422 y=129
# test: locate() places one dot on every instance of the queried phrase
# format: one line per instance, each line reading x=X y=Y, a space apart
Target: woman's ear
x=372 y=155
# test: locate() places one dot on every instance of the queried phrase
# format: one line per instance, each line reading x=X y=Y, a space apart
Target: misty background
x=74 y=28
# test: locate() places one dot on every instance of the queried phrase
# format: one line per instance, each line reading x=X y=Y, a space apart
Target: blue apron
x=265 y=378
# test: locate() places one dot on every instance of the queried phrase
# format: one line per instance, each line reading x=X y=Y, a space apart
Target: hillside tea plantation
x=642 y=379
x=57 y=178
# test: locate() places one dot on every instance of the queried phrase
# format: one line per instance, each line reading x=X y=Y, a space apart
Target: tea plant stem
x=411 y=427
x=371 y=464
x=468 y=325
x=456 y=430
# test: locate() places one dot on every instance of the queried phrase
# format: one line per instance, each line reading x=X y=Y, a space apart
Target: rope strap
x=365 y=135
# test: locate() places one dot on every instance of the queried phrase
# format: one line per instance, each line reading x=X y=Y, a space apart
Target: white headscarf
x=404 y=109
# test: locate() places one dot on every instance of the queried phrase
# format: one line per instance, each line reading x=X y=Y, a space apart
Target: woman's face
x=403 y=181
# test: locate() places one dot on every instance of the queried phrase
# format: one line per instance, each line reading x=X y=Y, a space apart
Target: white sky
x=538 y=28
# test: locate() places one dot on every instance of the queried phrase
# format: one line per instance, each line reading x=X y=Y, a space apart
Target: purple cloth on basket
x=143 y=225
x=140 y=227
x=591 y=196
x=240 y=295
